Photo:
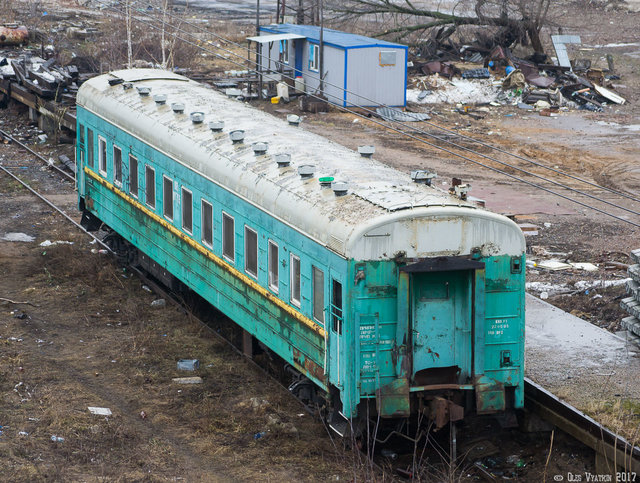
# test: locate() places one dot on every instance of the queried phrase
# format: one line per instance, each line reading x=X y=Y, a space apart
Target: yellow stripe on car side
x=217 y=260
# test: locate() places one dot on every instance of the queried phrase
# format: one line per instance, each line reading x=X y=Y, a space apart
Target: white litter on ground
x=99 y=411
x=455 y=91
x=18 y=237
x=584 y=284
x=48 y=243
x=581 y=285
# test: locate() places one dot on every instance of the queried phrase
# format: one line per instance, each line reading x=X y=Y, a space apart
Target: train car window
x=133 y=176
x=117 y=165
x=167 y=197
x=81 y=134
x=90 y=148
x=228 y=237
x=318 y=294
x=207 y=223
x=295 y=280
x=102 y=155
x=150 y=186
x=273 y=266
x=251 y=251
x=336 y=306
x=187 y=211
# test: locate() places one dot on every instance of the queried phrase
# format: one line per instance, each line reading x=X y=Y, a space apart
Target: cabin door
x=441 y=326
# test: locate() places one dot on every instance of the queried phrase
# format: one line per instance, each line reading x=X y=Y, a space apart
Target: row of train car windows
x=228 y=231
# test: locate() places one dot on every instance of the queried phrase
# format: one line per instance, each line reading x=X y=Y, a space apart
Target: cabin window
x=336 y=306
x=284 y=51
x=150 y=186
x=167 y=197
x=273 y=266
x=228 y=237
x=318 y=294
x=314 y=57
x=133 y=176
x=90 y=148
x=251 y=251
x=102 y=155
x=207 y=223
x=187 y=211
x=295 y=279
x=81 y=134
x=387 y=58
x=117 y=165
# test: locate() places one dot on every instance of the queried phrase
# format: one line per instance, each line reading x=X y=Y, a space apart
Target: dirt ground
x=92 y=339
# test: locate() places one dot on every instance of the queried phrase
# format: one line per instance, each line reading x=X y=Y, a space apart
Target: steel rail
x=52 y=205
x=619 y=452
x=45 y=161
x=156 y=287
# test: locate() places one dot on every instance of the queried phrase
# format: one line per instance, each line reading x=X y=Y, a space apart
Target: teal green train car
x=385 y=293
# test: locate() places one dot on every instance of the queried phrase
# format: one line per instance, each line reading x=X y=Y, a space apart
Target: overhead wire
x=437 y=126
x=409 y=135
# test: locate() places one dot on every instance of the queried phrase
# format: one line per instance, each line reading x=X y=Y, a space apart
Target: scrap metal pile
x=42 y=77
x=534 y=82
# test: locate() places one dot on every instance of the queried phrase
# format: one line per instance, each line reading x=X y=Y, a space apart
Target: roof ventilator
x=178 y=107
x=216 y=126
x=260 y=148
x=237 y=136
x=423 y=176
x=340 y=188
x=326 y=181
x=459 y=189
x=127 y=85
x=143 y=90
x=115 y=81
x=306 y=171
x=366 y=151
x=283 y=160
x=197 y=117
x=293 y=119
x=160 y=99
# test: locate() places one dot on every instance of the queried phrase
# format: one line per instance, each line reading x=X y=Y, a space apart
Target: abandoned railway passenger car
x=376 y=288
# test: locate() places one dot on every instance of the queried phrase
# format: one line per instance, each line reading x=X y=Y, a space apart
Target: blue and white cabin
x=358 y=70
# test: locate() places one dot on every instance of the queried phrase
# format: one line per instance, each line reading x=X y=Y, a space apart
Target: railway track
x=615 y=456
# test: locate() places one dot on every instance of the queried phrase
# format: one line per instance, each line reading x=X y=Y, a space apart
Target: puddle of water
x=18 y=237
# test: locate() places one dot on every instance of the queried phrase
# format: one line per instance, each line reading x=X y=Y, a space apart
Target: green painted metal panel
x=441 y=320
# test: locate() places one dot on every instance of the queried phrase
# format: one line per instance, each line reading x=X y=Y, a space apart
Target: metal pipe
x=14 y=35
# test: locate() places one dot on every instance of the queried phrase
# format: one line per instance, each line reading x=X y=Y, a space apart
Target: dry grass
x=619 y=415
x=94 y=340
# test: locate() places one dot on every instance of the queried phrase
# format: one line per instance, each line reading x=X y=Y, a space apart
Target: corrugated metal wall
x=334 y=69
x=366 y=77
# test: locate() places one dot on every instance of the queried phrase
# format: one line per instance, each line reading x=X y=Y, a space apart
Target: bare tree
x=129 y=42
x=511 y=20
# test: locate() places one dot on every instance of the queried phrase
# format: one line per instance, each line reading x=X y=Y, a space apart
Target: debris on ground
x=505 y=79
x=187 y=380
x=98 y=411
x=188 y=364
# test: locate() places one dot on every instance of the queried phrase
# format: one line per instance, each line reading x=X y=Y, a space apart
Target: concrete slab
x=577 y=360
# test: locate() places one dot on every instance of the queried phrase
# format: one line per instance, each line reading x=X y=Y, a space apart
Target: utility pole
x=322 y=48
x=300 y=14
x=258 y=48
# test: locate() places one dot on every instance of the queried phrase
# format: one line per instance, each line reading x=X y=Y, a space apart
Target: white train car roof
x=383 y=213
